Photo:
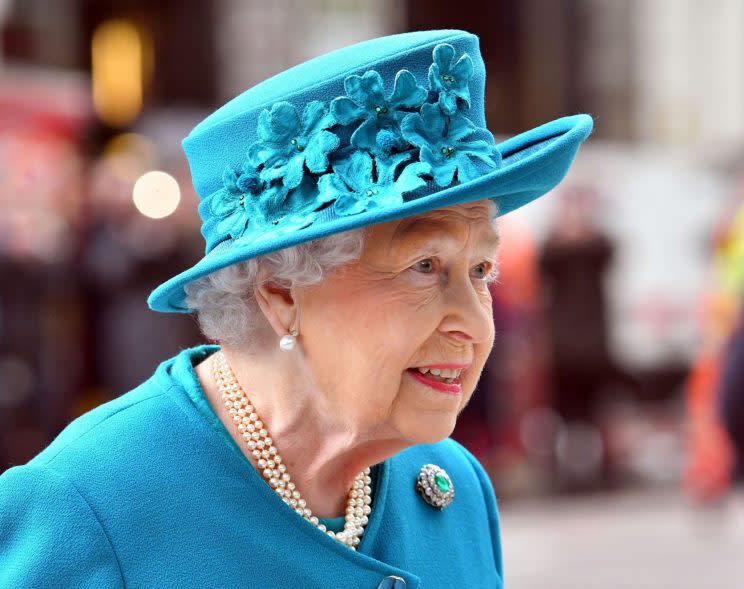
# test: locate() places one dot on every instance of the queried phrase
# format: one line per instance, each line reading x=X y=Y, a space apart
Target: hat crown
x=322 y=77
x=347 y=107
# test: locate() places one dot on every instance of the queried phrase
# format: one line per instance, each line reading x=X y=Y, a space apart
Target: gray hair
x=227 y=310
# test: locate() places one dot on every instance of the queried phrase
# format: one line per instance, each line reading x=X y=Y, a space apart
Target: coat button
x=392 y=582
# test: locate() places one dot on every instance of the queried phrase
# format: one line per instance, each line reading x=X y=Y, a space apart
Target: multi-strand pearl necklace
x=253 y=431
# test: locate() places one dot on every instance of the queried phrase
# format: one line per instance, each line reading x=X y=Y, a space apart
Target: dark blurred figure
x=573 y=264
x=21 y=298
x=731 y=395
x=731 y=390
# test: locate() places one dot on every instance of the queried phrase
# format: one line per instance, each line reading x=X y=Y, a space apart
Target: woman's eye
x=487 y=271
x=425 y=265
x=484 y=267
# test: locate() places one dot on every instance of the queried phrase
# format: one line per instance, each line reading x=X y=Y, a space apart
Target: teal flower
x=230 y=206
x=361 y=182
x=366 y=100
x=450 y=78
x=296 y=209
x=440 y=141
x=288 y=144
x=247 y=206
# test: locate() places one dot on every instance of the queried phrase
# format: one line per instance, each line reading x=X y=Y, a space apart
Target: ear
x=278 y=306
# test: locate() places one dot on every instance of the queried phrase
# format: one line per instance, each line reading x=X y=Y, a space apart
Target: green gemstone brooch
x=435 y=486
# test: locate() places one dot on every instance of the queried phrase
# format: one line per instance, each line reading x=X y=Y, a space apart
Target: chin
x=428 y=432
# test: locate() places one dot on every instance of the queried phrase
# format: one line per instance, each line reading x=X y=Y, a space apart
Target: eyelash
x=490 y=275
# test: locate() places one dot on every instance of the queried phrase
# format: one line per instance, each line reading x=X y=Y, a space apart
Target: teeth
x=446 y=374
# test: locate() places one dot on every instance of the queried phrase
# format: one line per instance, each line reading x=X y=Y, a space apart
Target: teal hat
x=380 y=130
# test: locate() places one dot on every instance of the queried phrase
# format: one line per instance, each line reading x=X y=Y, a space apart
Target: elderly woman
x=349 y=207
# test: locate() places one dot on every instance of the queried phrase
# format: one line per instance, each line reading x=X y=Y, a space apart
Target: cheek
x=365 y=327
x=389 y=307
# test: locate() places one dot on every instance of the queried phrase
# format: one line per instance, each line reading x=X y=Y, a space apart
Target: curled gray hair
x=227 y=310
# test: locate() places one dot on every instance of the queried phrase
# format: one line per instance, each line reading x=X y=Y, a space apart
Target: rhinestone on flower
x=435 y=486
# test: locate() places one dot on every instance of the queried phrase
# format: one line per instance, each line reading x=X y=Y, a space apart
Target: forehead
x=457 y=221
x=460 y=222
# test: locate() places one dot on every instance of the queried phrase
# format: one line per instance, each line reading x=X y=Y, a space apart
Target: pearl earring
x=288 y=341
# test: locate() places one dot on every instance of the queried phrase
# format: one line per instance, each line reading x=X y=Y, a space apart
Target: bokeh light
x=156 y=194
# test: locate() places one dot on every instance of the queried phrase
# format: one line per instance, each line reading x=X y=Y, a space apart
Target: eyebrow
x=409 y=226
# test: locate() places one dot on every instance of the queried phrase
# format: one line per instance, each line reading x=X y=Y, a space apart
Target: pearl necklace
x=253 y=431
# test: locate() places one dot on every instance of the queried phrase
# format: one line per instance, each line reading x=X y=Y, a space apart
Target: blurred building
x=95 y=93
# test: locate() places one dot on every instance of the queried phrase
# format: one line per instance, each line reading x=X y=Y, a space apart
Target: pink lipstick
x=451 y=389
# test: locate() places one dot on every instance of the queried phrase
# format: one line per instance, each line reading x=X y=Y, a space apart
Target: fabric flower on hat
x=356 y=187
x=232 y=206
x=440 y=141
x=450 y=78
x=277 y=213
x=247 y=207
x=366 y=100
x=288 y=143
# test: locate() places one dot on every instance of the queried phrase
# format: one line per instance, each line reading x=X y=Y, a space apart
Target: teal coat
x=150 y=490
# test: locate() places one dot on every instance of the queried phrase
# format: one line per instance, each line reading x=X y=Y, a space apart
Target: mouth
x=442 y=380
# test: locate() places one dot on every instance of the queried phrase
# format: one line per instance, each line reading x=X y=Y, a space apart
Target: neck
x=322 y=450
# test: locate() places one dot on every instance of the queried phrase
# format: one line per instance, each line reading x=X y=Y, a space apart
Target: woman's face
x=416 y=297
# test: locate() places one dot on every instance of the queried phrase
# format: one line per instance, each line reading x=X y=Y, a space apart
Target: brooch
x=435 y=486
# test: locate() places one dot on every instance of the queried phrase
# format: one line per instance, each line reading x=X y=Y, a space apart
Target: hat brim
x=532 y=164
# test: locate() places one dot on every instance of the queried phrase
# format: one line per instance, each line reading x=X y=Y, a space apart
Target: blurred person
x=731 y=396
x=351 y=239
x=35 y=308
x=573 y=263
x=714 y=390
x=21 y=351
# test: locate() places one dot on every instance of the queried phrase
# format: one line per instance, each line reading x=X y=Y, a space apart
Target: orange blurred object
x=711 y=456
x=707 y=475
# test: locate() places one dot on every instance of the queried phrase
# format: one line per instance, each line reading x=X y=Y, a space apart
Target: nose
x=468 y=314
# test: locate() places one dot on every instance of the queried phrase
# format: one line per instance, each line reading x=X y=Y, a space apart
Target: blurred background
x=611 y=413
